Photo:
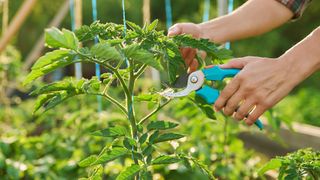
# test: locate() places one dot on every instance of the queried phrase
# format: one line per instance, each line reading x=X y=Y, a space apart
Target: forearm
x=252 y=18
x=303 y=59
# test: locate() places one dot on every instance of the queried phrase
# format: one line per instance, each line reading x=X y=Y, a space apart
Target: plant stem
x=130 y=108
x=140 y=71
x=114 y=70
x=153 y=112
x=225 y=132
x=115 y=102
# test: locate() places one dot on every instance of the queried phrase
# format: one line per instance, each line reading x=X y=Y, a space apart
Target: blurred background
x=50 y=145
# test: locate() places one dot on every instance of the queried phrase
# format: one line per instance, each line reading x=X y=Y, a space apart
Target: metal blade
x=195 y=82
x=182 y=81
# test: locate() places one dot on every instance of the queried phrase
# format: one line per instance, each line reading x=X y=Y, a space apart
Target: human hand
x=188 y=54
x=260 y=84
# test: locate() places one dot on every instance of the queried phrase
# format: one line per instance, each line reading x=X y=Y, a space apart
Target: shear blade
x=191 y=85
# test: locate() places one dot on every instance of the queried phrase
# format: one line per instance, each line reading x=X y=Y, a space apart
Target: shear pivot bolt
x=194 y=79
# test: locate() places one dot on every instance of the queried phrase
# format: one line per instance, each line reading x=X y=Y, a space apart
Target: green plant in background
x=10 y=64
x=302 y=164
x=125 y=56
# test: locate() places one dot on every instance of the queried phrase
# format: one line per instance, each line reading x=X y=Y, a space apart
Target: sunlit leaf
x=48 y=63
x=88 y=161
x=140 y=55
x=107 y=156
x=111 y=132
x=104 y=52
x=161 y=125
x=128 y=172
x=168 y=137
x=165 y=159
x=153 y=25
x=61 y=39
x=272 y=164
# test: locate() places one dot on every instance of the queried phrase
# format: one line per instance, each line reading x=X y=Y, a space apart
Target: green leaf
x=148 y=150
x=134 y=52
x=61 y=39
x=129 y=143
x=165 y=159
x=143 y=138
x=92 y=86
x=203 y=105
x=146 y=97
x=65 y=85
x=146 y=175
x=168 y=137
x=84 y=33
x=104 y=52
x=161 y=125
x=204 y=168
x=153 y=25
x=134 y=27
x=175 y=63
x=201 y=44
x=129 y=172
x=153 y=136
x=223 y=54
x=88 y=161
x=49 y=62
x=58 y=98
x=272 y=164
x=50 y=58
x=111 y=132
x=107 y=156
x=41 y=100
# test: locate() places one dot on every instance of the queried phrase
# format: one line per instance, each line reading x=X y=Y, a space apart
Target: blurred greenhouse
x=93 y=126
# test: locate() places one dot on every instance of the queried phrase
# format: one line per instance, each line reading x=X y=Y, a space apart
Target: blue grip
x=216 y=73
x=259 y=124
x=210 y=95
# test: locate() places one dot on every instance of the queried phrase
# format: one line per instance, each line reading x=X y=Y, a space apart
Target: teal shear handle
x=209 y=94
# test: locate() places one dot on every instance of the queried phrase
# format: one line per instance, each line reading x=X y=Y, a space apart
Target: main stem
x=130 y=107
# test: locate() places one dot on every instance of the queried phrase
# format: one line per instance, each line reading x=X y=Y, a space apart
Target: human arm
x=253 y=18
x=263 y=82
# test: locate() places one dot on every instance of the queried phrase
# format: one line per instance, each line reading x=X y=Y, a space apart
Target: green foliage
x=129 y=172
x=297 y=165
x=111 y=132
x=104 y=157
x=161 y=125
x=140 y=47
x=164 y=159
x=61 y=39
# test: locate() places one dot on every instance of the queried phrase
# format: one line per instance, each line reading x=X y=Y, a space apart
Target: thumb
x=175 y=30
x=237 y=63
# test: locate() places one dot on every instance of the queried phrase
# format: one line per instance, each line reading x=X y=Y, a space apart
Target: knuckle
x=241 y=114
x=258 y=97
x=218 y=105
x=248 y=87
x=266 y=104
x=227 y=111
x=226 y=92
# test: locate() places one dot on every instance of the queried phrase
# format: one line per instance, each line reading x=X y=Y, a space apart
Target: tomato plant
x=302 y=164
x=125 y=56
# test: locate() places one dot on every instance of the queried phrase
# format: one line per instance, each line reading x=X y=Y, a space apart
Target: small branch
x=154 y=111
x=140 y=71
x=114 y=70
x=115 y=102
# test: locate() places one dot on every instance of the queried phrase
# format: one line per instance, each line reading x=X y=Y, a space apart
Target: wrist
x=216 y=30
x=303 y=59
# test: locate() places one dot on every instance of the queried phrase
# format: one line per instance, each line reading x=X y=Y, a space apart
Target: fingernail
x=216 y=109
x=173 y=31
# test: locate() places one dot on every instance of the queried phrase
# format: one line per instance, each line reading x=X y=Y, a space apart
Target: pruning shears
x=209 y=94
